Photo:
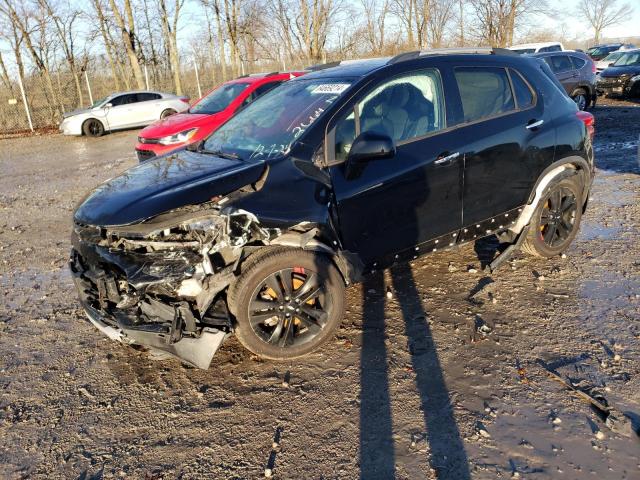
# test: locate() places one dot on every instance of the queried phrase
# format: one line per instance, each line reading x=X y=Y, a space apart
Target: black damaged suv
x=348 y=169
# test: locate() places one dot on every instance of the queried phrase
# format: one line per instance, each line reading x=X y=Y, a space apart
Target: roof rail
x=451 y=51
x=322 y=66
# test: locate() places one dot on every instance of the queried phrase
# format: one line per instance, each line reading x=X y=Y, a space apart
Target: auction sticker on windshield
x=330 y=89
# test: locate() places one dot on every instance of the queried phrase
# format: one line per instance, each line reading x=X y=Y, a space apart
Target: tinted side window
x=484 y=91
x=578 y=63
x=560 y=63
x=262 y=89
x=123 y=100
x=145 y=97
x=405 y=107
x=552 y=48
x=522 y=91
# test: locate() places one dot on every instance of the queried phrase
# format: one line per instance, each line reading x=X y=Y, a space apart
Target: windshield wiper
x=221 y=154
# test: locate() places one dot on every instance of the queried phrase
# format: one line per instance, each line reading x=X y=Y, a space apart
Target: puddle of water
x=591 y=231
x=32 y=285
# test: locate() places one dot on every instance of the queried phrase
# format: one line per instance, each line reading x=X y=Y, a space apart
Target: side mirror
x=371 y=146
x=108 y=105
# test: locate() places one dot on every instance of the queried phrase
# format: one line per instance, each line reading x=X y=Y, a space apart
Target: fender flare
x=348 y=264
x=569 y=164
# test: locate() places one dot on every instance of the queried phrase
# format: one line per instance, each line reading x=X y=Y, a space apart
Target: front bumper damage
x=161 y=283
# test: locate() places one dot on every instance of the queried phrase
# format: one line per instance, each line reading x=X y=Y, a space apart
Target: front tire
x=556 y=219
x=93 y=128
x=287 y=303
x=167 y=113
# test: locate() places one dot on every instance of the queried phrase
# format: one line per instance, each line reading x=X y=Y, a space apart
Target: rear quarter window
x=578 y=63
x=484 y=92
x=525 y=97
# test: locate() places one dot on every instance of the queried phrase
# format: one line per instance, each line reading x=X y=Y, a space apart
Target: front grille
x=144 y=155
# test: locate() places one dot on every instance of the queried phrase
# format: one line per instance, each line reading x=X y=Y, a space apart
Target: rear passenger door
x=504 y=149
x=146 y=107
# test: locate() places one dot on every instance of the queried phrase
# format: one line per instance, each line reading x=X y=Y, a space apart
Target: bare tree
x=128 y=35
x=20 y=23
x=63 y=23
x=376 y=16
x=442 y=12
x=603 y=13
x=169 y=34
x=496 y=20
x=117 y=68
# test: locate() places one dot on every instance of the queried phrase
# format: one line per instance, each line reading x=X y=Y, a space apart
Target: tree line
x=132 y=42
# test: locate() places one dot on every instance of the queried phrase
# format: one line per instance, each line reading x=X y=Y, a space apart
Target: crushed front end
x=160 y=283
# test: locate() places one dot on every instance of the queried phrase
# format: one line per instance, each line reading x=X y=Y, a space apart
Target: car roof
x=534 y=45
x=562 y=52
x=139 y=91
x=362 y=67
x=262 y=77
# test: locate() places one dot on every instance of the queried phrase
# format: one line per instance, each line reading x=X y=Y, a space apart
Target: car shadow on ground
x=446 y=455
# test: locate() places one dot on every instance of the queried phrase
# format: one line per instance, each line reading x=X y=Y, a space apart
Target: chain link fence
x=39 y=104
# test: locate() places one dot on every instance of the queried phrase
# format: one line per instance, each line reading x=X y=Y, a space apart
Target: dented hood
x=164 y=184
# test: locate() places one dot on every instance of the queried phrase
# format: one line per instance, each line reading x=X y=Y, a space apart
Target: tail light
x=593 y=67
x=185 y=99
x=589 y=121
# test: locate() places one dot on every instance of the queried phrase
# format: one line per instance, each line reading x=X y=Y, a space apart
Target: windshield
x=627 y=59
x=99 y=102
x=219 y=99
x=602 y=51
x=612 y=57
x=269 y=126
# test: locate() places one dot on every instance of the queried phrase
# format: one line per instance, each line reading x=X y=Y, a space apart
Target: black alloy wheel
x=556 y=220
x=558 y=217
x=93 y=128
x=289 y=307
x=286 y=302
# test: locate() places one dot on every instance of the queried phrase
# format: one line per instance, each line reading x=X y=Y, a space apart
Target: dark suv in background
x=623 y=77
x=598 y=52
x=577 y=74
x=344 y=171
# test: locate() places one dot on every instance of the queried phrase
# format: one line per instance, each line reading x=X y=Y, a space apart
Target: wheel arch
x=84 y=122
x=568 y=166
x=348 y=264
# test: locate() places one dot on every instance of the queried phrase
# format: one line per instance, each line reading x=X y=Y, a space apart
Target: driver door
x=397 y=208
x=121 y=113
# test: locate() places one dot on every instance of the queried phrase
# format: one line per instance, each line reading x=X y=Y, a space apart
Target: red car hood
x=179 y=122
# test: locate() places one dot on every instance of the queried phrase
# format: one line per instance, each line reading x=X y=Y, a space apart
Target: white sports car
x=122 y=110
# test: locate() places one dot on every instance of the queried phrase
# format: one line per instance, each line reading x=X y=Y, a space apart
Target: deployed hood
x=175 y=124
x=164 y=184
x=617 y=71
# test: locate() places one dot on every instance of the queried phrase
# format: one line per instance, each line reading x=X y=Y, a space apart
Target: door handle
x=533 y=125
x=446 y=158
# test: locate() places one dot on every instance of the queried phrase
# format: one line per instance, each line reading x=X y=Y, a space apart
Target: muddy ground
x=434 y=373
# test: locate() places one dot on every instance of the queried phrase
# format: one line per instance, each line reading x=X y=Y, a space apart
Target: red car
x=206 y=115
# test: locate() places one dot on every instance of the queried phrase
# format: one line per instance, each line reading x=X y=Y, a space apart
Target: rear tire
x=556 y=219
x=167 y=113
x=581 y=99
x=287 y=302
x=93 y=128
